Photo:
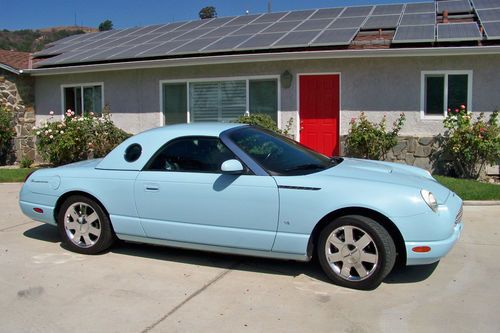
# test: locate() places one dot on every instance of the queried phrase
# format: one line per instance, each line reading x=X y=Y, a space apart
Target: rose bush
x=265 y=121
x=76 y=138
x=7 y=133
x=371 y=140
x=470 y=144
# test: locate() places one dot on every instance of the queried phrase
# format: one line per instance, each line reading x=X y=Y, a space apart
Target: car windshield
x=280 y=155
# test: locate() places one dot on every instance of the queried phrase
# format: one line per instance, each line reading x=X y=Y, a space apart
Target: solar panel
x=192 y=25
x=241 y=20
x=227 y=43
x=335 y=37
x=251 y=29
x=356 y=11
x=414 y=34
x=217 y=22
x=422 y=7
x=170 y=27
x=136 y=40
x=314 y=25
x=222 y=31
x=387 y=9
x=282 y=26
x=269 y=18
x=348 y=22
x=454 y=6
x=418 y=19
x=297 y=38
x=486 y=4
x=326 y=13
x=146 y=30
x=381 y=22
x=489 y=15
x=492 y=30
x=106 y=53
x=298 y=15
x=448 y=32
x=167 y=36
x=194 y=46
x=193 y=34
x=148 y=50
x=260 y=41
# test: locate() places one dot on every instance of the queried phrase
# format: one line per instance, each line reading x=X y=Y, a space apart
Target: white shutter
x=217 y=101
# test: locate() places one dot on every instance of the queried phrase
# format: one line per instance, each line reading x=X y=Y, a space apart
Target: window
x=83 y=99
x=219 y=100
x=191 y=154
x=445 y=90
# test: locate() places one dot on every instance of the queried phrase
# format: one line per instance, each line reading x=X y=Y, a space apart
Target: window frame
x=446 y=73
x=217 y=79
x=81 y=86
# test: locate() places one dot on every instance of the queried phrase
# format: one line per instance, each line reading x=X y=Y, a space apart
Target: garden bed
x=470 y=189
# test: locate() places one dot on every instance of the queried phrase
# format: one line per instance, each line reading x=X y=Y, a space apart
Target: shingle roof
x=355 y=27
x=15 y=60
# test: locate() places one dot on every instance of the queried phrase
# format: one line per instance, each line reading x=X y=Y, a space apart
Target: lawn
x=13 y=175
x=471 y=189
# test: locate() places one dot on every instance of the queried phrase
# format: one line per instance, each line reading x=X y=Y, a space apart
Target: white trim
x=445 y=73
x=81 y=85
x=269 y=57
x=298 y=100
x=10 y=69
x=247 y=80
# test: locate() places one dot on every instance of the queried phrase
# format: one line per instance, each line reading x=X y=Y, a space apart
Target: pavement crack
x=190 y=297
x=14 y=226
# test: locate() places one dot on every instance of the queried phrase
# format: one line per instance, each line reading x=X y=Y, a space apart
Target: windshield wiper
x=310 y=166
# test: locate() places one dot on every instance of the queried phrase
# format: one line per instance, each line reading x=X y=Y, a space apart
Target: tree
x=207 y=12
x=106 y=25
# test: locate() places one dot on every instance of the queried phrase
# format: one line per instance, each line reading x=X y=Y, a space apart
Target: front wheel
x=356 y=252
x=84 y=226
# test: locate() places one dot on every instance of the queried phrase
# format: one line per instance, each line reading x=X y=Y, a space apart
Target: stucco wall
x=373 y=85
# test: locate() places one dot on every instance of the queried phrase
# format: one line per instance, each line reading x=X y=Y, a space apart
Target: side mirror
x=232 y=167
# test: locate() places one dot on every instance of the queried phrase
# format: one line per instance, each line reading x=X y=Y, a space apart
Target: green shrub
x=7 y=133
x=265 y=121
x=470 y=144
x=371 y=140
x=25 y=162
x=77 y=138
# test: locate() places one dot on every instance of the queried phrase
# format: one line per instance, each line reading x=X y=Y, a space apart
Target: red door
x=319 y=111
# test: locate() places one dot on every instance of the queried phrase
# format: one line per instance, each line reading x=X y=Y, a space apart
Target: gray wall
x=372 y=85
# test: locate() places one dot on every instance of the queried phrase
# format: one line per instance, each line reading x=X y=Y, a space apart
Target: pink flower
x=462 y=107
x=353 y=120
x=456 y=110
x=449 y=110
x=51 y=113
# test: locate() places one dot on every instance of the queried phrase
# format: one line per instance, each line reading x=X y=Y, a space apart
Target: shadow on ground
x=410 y=274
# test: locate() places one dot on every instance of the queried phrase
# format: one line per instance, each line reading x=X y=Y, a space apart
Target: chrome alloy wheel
x=351 y=253
x=82 y=225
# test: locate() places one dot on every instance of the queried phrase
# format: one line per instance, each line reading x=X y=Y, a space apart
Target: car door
x=181 y=195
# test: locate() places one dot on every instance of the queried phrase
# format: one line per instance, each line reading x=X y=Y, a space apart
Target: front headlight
x=429 y=199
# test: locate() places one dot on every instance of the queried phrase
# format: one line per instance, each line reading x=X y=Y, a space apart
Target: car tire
x=84 y=226
x=356 y=252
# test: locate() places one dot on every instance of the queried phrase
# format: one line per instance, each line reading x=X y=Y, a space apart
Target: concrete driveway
x=140 y=288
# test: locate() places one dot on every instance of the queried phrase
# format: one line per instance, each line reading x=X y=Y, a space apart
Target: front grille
x=458 y=219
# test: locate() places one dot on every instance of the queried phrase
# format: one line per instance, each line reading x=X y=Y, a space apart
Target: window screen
x=83 y=99
x=434 y=94
x=457 y=91
x=264 y=97
x=175 y=103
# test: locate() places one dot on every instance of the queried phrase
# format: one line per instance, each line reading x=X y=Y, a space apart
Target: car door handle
x=151 y=187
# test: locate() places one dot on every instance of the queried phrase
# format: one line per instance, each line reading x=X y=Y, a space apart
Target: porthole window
x=133 y=152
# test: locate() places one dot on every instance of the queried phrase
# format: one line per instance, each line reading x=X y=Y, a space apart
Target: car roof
x=151 y=140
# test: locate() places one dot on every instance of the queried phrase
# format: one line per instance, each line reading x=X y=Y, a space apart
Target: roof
x=14 y=61
x=151 y=140
x=394 y=26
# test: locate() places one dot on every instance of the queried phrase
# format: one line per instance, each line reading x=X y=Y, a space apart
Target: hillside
x=27 y=40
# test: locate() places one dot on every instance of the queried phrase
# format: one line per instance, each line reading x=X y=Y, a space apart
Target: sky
x=35 y=14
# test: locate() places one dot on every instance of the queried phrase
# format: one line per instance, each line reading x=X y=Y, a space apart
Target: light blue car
x=244 y=190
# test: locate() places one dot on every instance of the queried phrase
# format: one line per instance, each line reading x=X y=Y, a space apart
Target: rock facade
x=17 y=96
x=416 y=151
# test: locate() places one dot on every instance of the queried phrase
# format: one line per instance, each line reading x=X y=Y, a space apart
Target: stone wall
x=17 y=96
x=416 y=151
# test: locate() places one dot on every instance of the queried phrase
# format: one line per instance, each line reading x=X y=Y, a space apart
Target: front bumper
x=438 y=249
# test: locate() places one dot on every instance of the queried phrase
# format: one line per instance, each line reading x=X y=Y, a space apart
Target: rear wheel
x=84 y=226
x=356 y=252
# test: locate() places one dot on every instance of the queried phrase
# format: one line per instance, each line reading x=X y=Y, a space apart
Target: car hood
x=387 y=172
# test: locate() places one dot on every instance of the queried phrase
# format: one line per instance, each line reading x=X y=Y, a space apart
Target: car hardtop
x=151 y=140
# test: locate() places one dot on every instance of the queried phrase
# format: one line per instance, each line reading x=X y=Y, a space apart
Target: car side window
x=191 y=154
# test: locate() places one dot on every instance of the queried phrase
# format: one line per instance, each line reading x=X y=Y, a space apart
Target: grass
x=470 y=189
x=14 y=175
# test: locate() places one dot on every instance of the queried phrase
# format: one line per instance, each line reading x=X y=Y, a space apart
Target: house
x=17 y=96
x=320 y=67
